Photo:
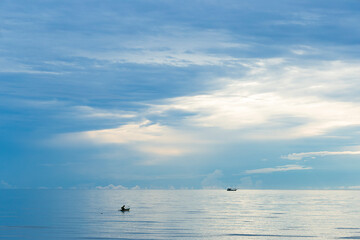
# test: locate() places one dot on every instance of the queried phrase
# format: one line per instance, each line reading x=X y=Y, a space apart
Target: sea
x=179 y=214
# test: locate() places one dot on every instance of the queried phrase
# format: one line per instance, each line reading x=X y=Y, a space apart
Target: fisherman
x=123 y=208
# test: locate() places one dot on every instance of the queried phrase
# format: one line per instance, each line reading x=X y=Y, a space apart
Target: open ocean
x=179 y=214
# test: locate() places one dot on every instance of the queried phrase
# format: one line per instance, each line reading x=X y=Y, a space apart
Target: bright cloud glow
x=146 y=137
x=274 y=100
x=89 y=112
x=266 y=97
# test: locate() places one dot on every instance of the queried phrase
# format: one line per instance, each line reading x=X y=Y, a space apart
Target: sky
x=145 y=94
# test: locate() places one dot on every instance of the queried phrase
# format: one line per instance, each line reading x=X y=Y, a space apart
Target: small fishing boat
x=124 y=209
x=231 y=189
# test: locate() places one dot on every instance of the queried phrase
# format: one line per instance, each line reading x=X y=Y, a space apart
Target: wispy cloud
x=179 y=47
x=277 y=169
x=300 y=156
x=90 y=112
x=111 y=187
x=171 y=58
x=304 y=50
x=147 y=137
x=10 y=66
x=5 y=185
x=301 y=18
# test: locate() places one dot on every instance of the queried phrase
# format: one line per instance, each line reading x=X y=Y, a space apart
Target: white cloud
x=277 y=169
x=284 y=101
x=300 y=156
x=248 y=183
x=212 y=180
x=304 y=50
x=90 y=112
x=276 y=99
x=111 y=187
x=5 y=185
x=132 y=132
x=147 y=137
x=349 y=187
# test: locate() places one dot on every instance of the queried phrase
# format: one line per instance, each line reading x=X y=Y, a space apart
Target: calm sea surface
x=179 y=214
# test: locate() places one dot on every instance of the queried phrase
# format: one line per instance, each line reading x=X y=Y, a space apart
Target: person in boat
x=123 y=208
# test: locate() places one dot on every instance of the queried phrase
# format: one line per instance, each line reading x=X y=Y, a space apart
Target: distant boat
x=124 y=209
x=231 y=189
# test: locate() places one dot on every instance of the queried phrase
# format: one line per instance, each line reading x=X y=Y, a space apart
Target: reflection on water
x=181 y=214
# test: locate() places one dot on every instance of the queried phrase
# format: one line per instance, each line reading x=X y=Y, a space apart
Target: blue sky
x=169 y=94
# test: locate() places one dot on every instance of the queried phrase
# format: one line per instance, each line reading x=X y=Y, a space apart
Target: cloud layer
x=162 y=93
x=284 y=168
x=301 y=156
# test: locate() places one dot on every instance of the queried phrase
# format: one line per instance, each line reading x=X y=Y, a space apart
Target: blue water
x=179 y=214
